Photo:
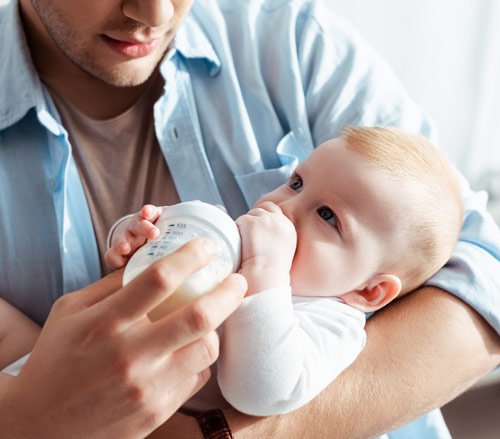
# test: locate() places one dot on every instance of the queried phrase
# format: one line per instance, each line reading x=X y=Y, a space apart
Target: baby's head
x=377 y=212
x=428 y=193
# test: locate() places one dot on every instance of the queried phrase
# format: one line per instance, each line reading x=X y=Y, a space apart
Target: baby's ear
x=375 y=294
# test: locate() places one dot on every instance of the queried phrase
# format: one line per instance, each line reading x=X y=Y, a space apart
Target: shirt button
x=174 y=134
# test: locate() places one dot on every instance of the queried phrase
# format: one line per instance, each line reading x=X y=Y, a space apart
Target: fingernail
x=209 y=246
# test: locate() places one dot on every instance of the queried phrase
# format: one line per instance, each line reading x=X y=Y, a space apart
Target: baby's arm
x=277 y=355
x=18 y=335
x=130 y=233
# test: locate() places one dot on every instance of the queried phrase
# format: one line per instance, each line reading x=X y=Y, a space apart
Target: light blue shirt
x=251 y=88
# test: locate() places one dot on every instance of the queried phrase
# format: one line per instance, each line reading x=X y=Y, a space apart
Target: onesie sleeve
x=278 y=352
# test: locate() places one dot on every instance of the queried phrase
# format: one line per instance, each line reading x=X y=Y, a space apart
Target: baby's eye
x=327 y=215
x=295 y=183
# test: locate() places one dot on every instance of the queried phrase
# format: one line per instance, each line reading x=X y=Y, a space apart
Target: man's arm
x=422 y=351
x=18 y=334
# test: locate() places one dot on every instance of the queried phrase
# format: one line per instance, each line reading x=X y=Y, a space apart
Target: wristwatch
x=213 y=425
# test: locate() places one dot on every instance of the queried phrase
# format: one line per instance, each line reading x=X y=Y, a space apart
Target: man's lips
x=131 y=48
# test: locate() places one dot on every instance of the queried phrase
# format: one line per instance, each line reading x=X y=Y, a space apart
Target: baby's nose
x=289 y=211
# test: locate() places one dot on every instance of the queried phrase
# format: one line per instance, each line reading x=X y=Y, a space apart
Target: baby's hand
x=130 y=234
x=268 y=246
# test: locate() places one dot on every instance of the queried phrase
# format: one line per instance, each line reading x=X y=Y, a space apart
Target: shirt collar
x=192 y=43
x=21 y=85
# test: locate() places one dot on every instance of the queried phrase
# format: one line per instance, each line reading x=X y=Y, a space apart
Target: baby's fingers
x=266 y=206
x=150 y=212
x=123 y=248
x=144 y=229
x=114 y=259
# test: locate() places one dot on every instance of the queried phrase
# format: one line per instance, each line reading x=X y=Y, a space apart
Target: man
x=245 y=90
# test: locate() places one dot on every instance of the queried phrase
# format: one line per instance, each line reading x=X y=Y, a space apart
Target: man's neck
x=93 y=97
x=90 y=95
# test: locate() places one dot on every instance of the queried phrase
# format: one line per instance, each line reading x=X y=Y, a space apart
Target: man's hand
x=178 y=426
x=268 y=241
x=101 y=368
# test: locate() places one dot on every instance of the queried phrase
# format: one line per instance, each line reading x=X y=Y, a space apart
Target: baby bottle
x=178 y=225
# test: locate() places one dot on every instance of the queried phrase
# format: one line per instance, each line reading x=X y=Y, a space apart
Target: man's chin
x=123 y=74
x=125 y=78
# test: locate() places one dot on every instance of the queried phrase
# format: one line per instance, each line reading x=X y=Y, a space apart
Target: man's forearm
x=18 y=334
x=421 y=352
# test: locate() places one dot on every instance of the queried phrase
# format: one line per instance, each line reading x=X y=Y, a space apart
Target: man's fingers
x=195 y=357
x=179 y=393
x=200 y=380
x=97 y=291
x=161 y=279
x=196 y=319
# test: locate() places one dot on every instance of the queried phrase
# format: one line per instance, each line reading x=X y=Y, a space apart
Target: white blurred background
x=447 y=54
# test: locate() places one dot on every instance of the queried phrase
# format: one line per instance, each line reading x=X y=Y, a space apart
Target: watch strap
x=214 y=425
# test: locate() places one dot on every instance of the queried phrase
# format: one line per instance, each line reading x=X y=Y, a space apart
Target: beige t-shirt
x=119 y=161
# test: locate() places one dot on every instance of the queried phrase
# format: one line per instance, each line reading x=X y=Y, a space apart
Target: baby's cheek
x=310 y=271
x=297 y=276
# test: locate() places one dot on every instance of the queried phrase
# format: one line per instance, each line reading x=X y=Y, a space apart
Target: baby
x=368 y=217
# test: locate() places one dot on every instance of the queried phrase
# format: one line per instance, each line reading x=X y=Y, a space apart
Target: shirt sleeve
x=346 y=83
x=472 y=273
x=298 y=346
